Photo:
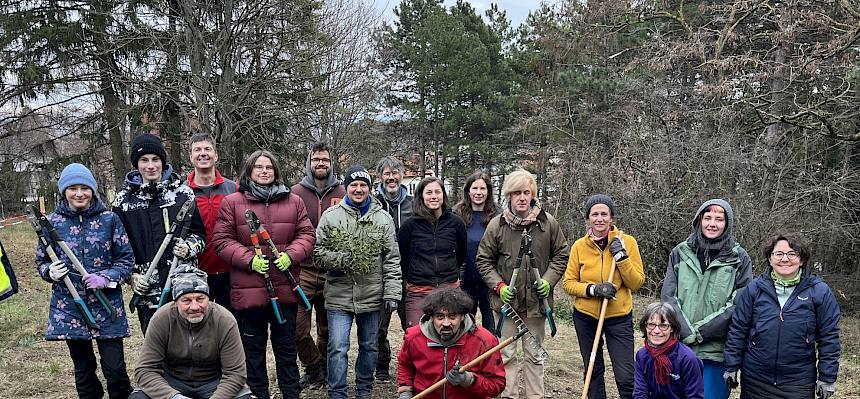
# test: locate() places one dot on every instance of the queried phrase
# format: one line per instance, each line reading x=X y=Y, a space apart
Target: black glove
x=619 y=251
x=390 y=305
x=602 y=290
x=731 y=379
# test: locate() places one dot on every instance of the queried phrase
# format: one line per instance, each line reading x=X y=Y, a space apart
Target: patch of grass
x=27 y=342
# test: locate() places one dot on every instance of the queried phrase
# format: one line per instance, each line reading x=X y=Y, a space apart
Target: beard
x=446 y=333
x=195 y=318
x=322 y=174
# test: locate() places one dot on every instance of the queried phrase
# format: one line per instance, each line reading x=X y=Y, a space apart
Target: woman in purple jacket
x=665 y=367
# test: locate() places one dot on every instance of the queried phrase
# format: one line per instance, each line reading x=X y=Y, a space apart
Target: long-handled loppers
x=264 y=234
x=185 y=219
x=47 y=228
x=525 y=244
x=253 y=226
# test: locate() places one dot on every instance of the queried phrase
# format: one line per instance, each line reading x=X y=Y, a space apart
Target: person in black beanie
x=147 y=205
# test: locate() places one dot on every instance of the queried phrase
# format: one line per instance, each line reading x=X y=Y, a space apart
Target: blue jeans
x=715 y=386
x=339 y=325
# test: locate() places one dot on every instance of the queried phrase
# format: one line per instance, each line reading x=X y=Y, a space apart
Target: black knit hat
x=146 y=144
x=599 y=199
x=356 y=172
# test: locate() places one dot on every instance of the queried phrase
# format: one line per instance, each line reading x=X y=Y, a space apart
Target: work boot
x=313 y=378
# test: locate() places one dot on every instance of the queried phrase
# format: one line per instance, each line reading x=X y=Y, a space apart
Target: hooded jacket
x=147 y=210
x=284 y=216
x=793 y=345
x=588 y=264
x=424 y=359
x=358 y=293
x=704 y=297
x=497 y=257
x=399 y=208
x=98 y=239
x=193 y=353
x=432 y=253
x=316 y=200
x=208 y=202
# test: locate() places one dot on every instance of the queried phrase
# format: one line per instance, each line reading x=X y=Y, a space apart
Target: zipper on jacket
x=190 y=347
x=436 y=262
x=444 y=372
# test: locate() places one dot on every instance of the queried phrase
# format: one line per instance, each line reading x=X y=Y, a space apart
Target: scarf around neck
x=517 y=221
x=662 y=365
x=786 y=282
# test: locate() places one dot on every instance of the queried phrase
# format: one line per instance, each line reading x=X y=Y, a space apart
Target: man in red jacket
x=319 y=190
x=445 y=339
x=209 y=189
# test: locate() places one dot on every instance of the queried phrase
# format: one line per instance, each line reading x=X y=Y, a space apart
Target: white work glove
x=58 y=270
x=139 y=284
x=181 y=249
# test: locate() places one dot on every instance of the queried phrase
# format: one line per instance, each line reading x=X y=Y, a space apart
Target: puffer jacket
x=423 y=360
x=793 y=345
x=358 y=293
x=147 y=210
x=497 y=257
x=287 y=222
x=704 y=300
x=588 y=264
x=432 y=253
x=98 y=239
x=208 y=202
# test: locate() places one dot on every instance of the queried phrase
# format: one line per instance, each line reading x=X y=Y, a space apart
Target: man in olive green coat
x=497 y=258
x=357 y=248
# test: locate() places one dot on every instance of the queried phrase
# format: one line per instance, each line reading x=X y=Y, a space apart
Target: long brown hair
x=419 y=207
x=252 y=159
x=464 y=207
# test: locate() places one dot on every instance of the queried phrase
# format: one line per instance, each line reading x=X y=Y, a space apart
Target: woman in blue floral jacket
x=97 y=238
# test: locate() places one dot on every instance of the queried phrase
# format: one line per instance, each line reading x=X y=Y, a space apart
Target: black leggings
x=113 y=367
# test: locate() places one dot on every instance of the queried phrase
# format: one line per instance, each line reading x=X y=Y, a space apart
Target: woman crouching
x=665 y=367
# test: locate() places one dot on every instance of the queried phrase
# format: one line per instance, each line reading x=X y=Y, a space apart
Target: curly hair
x=454 y=300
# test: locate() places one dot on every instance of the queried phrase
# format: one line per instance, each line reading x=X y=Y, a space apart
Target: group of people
x=254 y=260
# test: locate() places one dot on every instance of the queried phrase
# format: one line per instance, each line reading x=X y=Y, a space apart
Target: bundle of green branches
x=363 y=242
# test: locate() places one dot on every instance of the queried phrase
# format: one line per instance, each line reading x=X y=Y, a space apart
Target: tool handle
x=471 y=364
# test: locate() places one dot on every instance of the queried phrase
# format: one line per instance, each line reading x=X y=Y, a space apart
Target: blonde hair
x=519 y=180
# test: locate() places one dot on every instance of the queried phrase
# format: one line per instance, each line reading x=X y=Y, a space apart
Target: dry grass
x=31 y=367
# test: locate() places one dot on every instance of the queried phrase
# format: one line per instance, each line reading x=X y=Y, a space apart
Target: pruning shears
x=253 y=226
x=45 y=227
x=525 y=243
x=264 y=234
x=185 y=219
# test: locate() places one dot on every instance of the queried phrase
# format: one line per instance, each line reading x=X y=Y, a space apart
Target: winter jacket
x=424 y=359
x=208 y=201
x=399 y=208
x=8 y=282
x=97 y=238
x=704 y=301
x=472 y=281
x=588 y=264
x=146 y=211
x=779 y=346
x=497 y=257
x=685 y=375
x=432 y=253
x=287 y=222
x=316 y=202
x=358 y=293
x=189 y=352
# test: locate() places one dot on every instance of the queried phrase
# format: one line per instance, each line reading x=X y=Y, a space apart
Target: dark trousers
x=192 y=389
x=312 y=354
x=482 y=303
x=144 y=313
x=618 y=336
x=219 y=289
x=254 y=325
x=384 y=356
x=112 y=360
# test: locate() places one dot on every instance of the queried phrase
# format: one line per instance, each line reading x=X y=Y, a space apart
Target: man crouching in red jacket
x=446 y=338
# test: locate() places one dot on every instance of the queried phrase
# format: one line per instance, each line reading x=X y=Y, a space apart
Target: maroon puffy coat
x=287 y=222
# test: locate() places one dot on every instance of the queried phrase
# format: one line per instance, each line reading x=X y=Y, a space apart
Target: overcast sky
x=517 y=10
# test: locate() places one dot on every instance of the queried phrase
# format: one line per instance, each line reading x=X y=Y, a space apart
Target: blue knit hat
x=76 y=173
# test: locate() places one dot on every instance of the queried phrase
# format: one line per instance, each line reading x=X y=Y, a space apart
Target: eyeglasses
x=779 y=255
x=663 y=326
x=320 y=160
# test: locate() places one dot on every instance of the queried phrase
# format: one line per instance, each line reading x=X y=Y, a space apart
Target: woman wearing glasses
x=665 y=367
x=706 y=272
x=784 y=335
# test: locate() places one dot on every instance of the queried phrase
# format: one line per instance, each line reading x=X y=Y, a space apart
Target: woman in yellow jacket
x=587 y=280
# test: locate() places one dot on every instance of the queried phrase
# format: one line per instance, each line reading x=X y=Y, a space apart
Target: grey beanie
x=599 y=199
x=188 y=279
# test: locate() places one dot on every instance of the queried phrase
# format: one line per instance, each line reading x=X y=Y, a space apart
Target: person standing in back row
x=209 y=189
x=396 y=200
x=319 y=190
x=706 y=273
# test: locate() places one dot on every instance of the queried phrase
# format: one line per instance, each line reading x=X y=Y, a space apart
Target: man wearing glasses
x=705 y=273
x=319 y=190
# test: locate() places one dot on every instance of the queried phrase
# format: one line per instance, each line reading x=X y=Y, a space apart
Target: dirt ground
x=31 y=367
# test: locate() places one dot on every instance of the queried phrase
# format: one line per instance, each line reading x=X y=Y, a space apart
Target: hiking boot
x=313 y=378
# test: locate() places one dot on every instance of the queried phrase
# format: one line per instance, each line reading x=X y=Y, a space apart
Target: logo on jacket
x=802 y=298
x=675 y=377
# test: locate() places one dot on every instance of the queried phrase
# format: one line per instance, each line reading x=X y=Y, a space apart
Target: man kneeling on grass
x=192 y=347
x=445 y=339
